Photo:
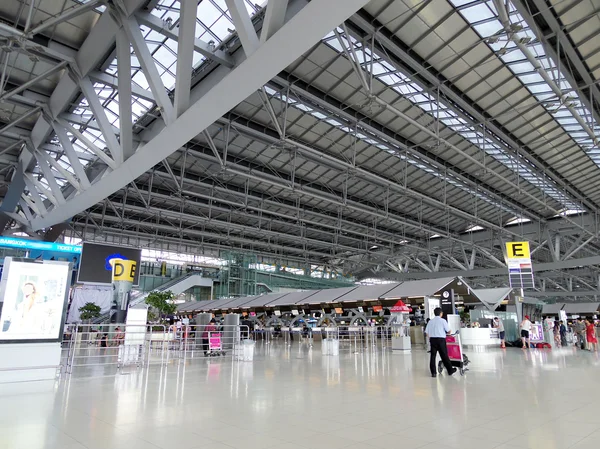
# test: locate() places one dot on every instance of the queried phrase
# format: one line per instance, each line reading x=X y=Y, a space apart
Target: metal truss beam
x=153 y=226
x=187 y=220
x=274 y=18
x=67 y=15
x=365 y=25
x=93 y=51
x=544 y=23
x=537 y=267
x=243 y=25
x=88 y=230
x=322 y=158
x=387 y=137
x=532 y=232
x=564 y=294
x=214 y=97
x=250 y=201
x=185 y=53
x=336 y=199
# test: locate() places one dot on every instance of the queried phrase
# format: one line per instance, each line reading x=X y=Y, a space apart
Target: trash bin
x=245 y=351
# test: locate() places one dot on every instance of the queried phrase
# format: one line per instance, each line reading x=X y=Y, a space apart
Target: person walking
x=525 y=331
x=498 y=324
x=592 y=340
x=436 y=330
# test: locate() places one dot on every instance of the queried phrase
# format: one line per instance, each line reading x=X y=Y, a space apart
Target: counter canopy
x=352 y=296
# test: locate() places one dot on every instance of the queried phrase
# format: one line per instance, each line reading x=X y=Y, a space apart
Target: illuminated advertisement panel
x=34 y=298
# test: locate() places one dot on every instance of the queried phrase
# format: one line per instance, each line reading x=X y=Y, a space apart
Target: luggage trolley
x=215 y=344
x=455 y=353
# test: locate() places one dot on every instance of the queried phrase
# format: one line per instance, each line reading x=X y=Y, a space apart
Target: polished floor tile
x=296 y=398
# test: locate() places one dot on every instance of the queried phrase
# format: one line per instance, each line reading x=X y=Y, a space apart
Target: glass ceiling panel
x=497 y=40
x=432 y=106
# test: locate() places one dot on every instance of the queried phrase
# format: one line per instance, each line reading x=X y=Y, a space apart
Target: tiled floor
x=296 y=398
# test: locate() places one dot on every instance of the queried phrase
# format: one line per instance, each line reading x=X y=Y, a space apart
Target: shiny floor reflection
x=296 y=398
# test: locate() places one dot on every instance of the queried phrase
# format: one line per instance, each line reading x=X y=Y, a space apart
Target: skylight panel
x=527 y=74
x=474 y=228
x=517 y=220
x=464 y=129
x=477 y=13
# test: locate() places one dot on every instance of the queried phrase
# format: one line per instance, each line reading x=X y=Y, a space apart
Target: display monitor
x=34 y=297
x=95 y=268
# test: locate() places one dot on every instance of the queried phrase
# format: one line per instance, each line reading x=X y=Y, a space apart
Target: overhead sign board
x=520 y=269
x=11 y=242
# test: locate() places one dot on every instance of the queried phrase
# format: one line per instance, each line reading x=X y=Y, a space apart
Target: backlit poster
x=34 y=298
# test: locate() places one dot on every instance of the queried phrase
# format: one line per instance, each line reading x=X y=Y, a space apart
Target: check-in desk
x=479 y=336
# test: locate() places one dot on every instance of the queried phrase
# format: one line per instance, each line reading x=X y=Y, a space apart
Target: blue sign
x=10 y=242
x=108 y=265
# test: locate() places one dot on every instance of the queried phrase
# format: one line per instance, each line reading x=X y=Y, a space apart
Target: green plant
x=465 y=317
x=162 y=303
x=89 y=311
x=152 y=316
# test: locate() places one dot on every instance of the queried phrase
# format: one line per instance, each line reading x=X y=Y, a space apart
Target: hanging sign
x=520 y=269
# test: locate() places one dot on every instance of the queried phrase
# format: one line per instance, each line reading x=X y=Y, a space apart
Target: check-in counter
x=479 y=336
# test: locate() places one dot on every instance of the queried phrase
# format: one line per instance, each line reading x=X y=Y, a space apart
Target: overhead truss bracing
x=387 y=137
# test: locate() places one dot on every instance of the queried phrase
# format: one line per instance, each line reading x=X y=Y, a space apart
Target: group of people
x=585 y=333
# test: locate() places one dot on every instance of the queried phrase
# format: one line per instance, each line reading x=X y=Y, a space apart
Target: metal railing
x=118 y=345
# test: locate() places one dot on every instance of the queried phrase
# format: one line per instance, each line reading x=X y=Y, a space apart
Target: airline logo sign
x=520 y=270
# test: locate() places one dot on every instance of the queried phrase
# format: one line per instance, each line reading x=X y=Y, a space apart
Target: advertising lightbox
x=34 y=297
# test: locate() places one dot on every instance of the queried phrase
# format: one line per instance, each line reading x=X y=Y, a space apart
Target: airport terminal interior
x=319 y=224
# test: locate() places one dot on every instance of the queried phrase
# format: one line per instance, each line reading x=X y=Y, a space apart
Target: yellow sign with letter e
x=520 y=269
x=518 y=250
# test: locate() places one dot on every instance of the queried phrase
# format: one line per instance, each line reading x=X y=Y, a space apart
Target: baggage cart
x=215 y=344
x=455 y=353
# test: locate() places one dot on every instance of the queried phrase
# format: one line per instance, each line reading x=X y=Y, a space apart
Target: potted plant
x=161 y=305
x=87 y=313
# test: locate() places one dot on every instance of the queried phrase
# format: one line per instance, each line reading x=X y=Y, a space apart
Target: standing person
x=563 y=334
x=592 y=341
x=436 y=330
x=119 y=336
x=580 y=330
x=498 y=324
x=206 y=335
x=525 y=331
x=556 y=331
